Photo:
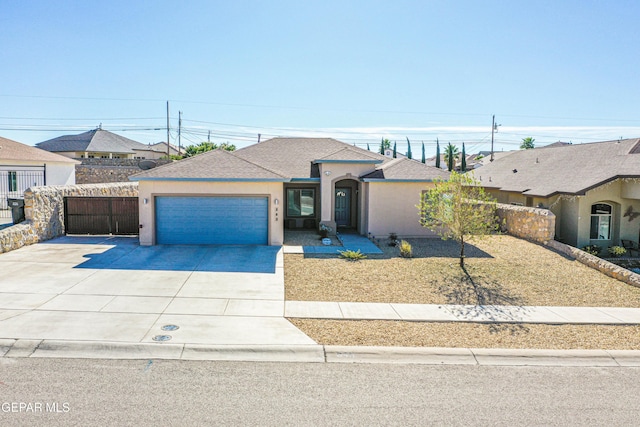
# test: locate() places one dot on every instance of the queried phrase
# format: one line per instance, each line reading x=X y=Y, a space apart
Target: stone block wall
x=604 y=266
x=537 y=225
x=96 y=171
x=44 y=211
x=17 y=236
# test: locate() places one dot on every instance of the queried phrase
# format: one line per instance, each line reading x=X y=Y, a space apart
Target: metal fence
x=14 y=180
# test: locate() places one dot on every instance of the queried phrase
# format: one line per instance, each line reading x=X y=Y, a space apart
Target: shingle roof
x=407 y=169
x=351 y=154
x=216 y=164
x=285 y=159
x=566 y=169
x=97 y=140
x=13 y=150
x=293 y=157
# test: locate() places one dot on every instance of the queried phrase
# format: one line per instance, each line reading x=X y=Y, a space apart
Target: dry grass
x=504 y=271
x=466 y=335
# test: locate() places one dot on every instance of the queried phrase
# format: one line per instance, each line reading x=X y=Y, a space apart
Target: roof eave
x=304 y=180
x=134 y=178
x=396 y=180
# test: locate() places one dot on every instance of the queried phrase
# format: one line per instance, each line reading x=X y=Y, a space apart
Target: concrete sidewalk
x=462 y=313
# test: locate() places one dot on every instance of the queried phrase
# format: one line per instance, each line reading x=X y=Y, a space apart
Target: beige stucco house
x=593 y=189
x=251 y=195
x=23 y=166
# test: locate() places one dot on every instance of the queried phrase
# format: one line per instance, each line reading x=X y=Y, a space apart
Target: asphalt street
x=169 y=392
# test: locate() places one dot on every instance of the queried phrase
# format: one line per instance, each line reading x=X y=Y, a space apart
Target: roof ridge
x=350 y=148
x=392 y=162
x=250 y=162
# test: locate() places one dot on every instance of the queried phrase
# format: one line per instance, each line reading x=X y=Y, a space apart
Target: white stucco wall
x=393 y=208
x=61 y=173
x=58 y=173
x=150 y=189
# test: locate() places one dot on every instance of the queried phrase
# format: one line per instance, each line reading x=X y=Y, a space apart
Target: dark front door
x=343 y=207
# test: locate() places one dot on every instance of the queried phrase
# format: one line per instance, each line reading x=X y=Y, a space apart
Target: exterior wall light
x=276 y=202
x=327 y=173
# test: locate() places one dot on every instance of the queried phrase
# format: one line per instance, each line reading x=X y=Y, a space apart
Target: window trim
x=599 y=217
x=13 y=180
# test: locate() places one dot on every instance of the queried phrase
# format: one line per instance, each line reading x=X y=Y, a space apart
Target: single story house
x=593 y=189
x=102 y=144
x=250 y=195
x=23 y=166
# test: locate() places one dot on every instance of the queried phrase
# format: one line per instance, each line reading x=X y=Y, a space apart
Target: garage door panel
x=212 y=220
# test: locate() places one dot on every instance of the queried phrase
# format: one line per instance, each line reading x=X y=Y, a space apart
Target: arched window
x=600 y=221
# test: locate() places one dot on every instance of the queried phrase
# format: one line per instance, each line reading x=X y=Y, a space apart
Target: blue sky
x=353 y=70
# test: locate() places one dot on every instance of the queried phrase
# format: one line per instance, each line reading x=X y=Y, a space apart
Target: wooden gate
x=101 y=215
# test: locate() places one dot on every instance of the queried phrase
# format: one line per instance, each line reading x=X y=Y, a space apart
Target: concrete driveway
x=112 y=289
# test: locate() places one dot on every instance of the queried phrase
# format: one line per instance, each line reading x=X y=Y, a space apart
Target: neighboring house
x=23 y=166
x=250 y=195
x=101 y=144
x=593 y=189
x=161 y=148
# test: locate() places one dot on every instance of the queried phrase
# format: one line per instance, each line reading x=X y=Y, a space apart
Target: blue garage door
x=212 y=220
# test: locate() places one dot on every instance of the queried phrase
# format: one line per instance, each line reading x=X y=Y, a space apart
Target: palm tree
x=450 y=156
x=463 y=162
x=527 y=143
x=384 y=144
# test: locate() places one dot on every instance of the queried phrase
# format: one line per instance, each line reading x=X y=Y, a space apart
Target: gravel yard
x=504 y=271
x=306 y=238
x=468 y=335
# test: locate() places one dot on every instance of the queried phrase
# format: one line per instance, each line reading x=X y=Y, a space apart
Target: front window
x=13 y=181
x=300 y=202
x=600 y=222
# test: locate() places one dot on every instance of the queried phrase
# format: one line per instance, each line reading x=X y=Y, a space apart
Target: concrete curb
x=318 y=354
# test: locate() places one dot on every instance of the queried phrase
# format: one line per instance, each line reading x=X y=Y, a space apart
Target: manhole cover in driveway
x=170 y=327
x=162 y=338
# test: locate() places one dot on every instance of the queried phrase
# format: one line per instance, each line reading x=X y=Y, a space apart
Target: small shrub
x=393 y=239
x=617 y=251
x=592 y=249
x=406 y=251
x=352 y=255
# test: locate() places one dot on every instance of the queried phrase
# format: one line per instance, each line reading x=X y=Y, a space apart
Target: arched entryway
x=345 y=204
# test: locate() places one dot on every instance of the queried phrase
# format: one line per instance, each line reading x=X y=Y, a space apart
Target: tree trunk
x=462 y=251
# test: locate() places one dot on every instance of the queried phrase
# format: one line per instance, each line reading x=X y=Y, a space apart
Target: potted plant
x=324 y=230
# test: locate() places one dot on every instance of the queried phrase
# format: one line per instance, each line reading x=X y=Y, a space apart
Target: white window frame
x=601 y=219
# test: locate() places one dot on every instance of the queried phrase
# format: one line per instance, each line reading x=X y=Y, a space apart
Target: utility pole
x=168 y=154
x=494 y=128
x=259 y=135
x=179 y=131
